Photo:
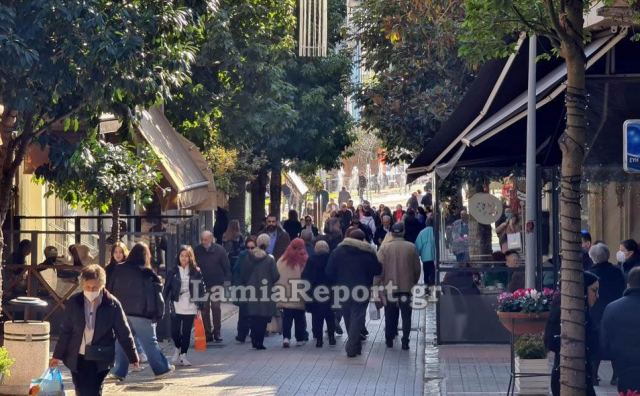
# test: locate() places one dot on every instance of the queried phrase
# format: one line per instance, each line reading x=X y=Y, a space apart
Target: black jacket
x=345 y=219
x=633 y=261
x=618 y=338
x=612 y=286
x=293 y=228
x=353 y=263
x=552 y=343
x=587 y=263
x=136 y=288
x=412 y=228
x=315 y=273
x=214 y=264
x=379 y=236
x=173 y=284
x=110 y=324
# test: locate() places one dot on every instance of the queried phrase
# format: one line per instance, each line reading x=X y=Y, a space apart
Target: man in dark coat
x=612 y=286
x=279 y=238
x=345 y=215
x=354 y=264
x=221 y=224
x=619 y=331
x=585 y=244
x=381 y=232
x=412 y=226
x=213 y=260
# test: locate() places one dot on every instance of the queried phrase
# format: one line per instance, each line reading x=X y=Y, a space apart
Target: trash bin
x=28 y=343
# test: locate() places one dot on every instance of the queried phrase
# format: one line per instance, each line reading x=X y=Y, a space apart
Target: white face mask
x=91 y=295
x=620 y=256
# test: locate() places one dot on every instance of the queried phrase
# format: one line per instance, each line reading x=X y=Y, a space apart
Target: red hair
x=296 y=254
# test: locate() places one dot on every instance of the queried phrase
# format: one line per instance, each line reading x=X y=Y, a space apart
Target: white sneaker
x=184 y=361
x=285 y=343
x=176 y=356
x=136 y=370
x=300 y=343
x=143 y=357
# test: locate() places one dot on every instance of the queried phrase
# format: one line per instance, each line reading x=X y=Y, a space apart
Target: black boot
x=319 y=343
x=405 y=345
x=389 y=342
x=332 y=339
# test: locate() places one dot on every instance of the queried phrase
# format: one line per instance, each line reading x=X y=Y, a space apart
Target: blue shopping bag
x=49 y=384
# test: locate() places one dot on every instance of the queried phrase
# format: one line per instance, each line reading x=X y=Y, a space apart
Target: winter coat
x=173 y=284
x=618 y=339
x=612 y=286
x=353 y=263
x=412 y=228
x=293 y=228
x=288 y=275
x=315 y=273
x=214 y=264
x=233 y=248
x=630 y=263
x=282 y=242
x=379 y=236
x=552 y=343
x=110 y=323
x=253 y=269
x=370 y=223
x=135 y=287
x=343 y=197
x=426 y=245
x=345 y=219
x=400 y=263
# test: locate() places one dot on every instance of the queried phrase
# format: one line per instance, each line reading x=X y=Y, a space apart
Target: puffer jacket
x=135 y=287
x=288 y=275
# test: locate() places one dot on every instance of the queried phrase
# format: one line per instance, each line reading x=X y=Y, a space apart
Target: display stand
x=511 y=390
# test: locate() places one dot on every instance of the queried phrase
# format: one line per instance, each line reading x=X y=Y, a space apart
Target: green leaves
x=97 y=174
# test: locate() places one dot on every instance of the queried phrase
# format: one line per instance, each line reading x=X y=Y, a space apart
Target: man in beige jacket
x=401 y=267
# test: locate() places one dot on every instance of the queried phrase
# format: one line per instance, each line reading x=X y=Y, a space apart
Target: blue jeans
x=145 y=331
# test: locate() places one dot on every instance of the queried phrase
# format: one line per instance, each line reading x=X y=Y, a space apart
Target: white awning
x=181 y=162
x=296 y=182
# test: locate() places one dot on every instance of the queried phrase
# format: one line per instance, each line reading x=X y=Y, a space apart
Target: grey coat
x=255 y=267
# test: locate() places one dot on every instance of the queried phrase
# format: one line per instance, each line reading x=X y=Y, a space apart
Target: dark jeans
x=211 y=313
x=88 y=380
x=354 y=318
x=462 y=257
x=429 y=273
x=391 y=313
x=289 y=316
x=181 y=326
x=258 y=329
x=322 y=313
x=244 y=323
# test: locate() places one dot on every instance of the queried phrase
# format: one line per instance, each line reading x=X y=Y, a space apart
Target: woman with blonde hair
x=183 y=285
x=290 y=267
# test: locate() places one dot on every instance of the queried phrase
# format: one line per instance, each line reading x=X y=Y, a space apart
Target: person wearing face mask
x=552 y=334
x=92 y=322
x=628 y=255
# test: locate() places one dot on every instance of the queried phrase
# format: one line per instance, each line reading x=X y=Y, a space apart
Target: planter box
x=520 y=323
x=533 y=385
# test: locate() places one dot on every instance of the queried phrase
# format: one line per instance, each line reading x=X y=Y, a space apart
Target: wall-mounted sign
x=631 y=146
x=485 y=208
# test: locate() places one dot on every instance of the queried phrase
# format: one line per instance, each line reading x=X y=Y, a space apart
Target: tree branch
x=554 y=17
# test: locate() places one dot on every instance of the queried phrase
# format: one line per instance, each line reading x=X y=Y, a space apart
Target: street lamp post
x=531 y=244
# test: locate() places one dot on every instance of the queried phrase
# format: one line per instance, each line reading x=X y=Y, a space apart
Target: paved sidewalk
x=233 y=369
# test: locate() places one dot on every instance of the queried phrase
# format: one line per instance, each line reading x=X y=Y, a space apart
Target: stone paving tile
x=233 y=369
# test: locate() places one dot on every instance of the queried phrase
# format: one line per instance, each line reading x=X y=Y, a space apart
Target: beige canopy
x=181 y=162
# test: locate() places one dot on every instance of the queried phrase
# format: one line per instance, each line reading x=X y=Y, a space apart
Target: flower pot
x=519 y=323
x=531 y=386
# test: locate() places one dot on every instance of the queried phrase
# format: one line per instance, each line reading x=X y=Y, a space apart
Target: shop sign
x=485 y=208
x=631 y=146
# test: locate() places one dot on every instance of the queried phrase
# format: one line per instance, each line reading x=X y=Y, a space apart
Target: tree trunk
x=115 y=219
x=572 y=353
x=258 y=193
x=238 y=201
x=275 y=190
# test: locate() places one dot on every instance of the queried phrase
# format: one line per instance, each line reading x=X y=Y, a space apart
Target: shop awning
x=182 y=164
x=296 y=182
x=512 y=104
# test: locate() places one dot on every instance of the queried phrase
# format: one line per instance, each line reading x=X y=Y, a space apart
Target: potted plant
x=531 y=359
x=524 y=310
x=6 y=362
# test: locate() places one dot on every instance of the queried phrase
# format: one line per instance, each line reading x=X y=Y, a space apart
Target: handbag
x=514 y=241
x=374 y=312
x=48 y=384
x=99 y=353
